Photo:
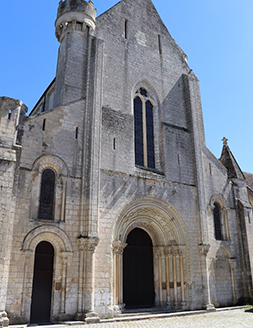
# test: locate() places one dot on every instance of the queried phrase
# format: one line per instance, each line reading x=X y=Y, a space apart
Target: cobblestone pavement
x=220 y=319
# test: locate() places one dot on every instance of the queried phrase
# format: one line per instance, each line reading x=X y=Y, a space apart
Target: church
x=110 y=200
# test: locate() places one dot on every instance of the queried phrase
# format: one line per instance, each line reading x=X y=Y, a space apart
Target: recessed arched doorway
x=138 y=276
x=42 y=283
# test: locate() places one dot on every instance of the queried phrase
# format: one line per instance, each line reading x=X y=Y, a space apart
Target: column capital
x=159 y=251
x=118 y=247
x=88 y=243
x=204 y=249
x=4 y=321
x=91 y=244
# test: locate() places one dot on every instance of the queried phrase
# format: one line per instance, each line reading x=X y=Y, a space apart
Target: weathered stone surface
x=83 y=129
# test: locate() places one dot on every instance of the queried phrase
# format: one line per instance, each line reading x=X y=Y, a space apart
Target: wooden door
x=138 y=277
x=42 y=283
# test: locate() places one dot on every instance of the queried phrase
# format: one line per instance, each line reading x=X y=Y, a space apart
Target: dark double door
x=138 y=277
x=42 y=283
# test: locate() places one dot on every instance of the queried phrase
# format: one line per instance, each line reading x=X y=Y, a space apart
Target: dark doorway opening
x=42 y=283
x=138 y=277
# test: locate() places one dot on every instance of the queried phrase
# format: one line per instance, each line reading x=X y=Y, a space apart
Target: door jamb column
x=118 y=249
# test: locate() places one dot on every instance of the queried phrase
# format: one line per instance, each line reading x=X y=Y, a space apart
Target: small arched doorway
x=138 y=277
x=42 y=283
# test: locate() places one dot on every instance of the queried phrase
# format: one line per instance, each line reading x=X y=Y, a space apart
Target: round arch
x=50 y=161
x=220 y=199
x=63 y=251
x=159 y=219
x=170 y=244
x=56 y=236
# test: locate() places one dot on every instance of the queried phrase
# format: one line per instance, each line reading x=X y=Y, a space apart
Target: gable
x=144 y=24
x=138 y=47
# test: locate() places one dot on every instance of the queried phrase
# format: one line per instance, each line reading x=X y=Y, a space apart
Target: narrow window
x=9 y=115
x=138 y=131
x=159 y=44
x=114 y=143
x=178 y=159
x=125 y=28
x=150 y=135
x=47 y=191
x=43 y=105
x=77 y=132
x=44 y=125
x=217 y=221
x=210 y=169
x=144 y=130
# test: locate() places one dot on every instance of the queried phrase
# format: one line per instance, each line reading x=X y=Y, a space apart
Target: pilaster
x=87 y=250
x=12 y=112
x=204 y=249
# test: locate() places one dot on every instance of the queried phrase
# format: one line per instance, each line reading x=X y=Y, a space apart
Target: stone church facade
x=110 y=199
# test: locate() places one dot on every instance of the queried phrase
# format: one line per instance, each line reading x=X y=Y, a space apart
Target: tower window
x=125 y=28
x=9 y=115
x=159 y=44
x=217 y=221
x=44 y=125
x=47 y=191
x=144 y=129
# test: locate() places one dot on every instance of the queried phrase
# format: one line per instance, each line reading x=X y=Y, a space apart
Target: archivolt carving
x=220 y=199
x=156 y=217
x=57 y=237
x=52 y=161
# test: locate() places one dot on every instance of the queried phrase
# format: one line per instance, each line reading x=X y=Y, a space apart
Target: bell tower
x=74 y=26
x=79 y=82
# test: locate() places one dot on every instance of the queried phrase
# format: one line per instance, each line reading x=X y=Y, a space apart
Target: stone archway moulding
x=63 y=251
x=158 y=218
x=170 y=244
x=218 y=198
x=56 y=236
x=53 y=161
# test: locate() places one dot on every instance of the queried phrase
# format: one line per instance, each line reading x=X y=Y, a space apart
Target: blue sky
x=217 y=36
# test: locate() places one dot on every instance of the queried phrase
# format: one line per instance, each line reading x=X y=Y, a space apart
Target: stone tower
x=78 y=82
x=75 y=23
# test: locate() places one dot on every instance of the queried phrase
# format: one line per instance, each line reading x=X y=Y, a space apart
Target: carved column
x=174 y=261
x=63 y=284
x=118 y=249
x=204 y=249
x=28 y=259
x=90 y=246
x=159 y=253
x=181 y=265
x=167 y=254
x=81 y=244
x=63 y=200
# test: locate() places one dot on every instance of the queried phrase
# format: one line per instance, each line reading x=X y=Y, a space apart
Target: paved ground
x=236 y=318
x=220 y=319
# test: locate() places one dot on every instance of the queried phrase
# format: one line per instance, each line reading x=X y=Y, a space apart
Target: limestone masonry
x=110 y=200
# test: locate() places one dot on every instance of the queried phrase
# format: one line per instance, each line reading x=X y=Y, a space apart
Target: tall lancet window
x=217 y=221
x=144 y=129
x=47 y=195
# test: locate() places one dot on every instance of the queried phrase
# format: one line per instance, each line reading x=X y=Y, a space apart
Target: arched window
x=144 y=129
x=221 y=228
x=217 y=221
x=47 y=195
